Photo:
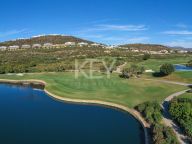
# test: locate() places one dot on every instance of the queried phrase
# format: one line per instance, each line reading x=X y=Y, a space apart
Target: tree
x=124 y=75
x=146 y=56
x=151 y=111
x=163 y=135
x=167 y=69
x=189 y=64
x=133 y=70
x=2 y=70
x=181 y=111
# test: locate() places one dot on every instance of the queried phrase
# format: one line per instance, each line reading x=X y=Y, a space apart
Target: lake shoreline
x=133 y=112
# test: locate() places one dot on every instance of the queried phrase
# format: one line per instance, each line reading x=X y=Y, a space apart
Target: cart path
x=167 y=120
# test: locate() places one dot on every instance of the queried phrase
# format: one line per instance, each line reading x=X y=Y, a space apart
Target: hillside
x=54 y=39
x=151 y=47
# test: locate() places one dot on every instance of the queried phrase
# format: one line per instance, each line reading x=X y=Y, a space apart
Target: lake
x=30 y=116
x=179 y=67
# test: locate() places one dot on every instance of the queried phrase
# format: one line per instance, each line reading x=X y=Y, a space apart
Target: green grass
x=186 y=95
x=155 y=64
x=125 y=92
x=183 y=76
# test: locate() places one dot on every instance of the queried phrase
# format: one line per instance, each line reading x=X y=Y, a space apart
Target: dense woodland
x=181 y=111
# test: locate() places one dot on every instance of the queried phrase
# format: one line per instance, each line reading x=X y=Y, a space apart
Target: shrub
x=151 y=111
x=189 y=64
x=167 y=69
x=124 y=75
x=163 y=135
x=133 y=70
x=181 y=111
x=146 y=56
x=2 y=70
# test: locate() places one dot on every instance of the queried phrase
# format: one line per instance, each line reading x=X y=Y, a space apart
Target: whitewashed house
x=26 y=46
x=173 y=51
x=14 y=47
x=48 y=45
x=70 y=44
x=135 y=50
x=111 y=47
x=3 y=48
x=36 y=46
x=182 y=51
x=164 y=51
x=81 y=44
x=107 y=51
x=95 y=45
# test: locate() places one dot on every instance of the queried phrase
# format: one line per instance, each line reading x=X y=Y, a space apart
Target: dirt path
x=120 y=68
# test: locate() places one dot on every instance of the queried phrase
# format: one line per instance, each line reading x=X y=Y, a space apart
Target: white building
x=111 y=47
x=135 y=50
x=2 y=48
x=36 y=46
x=70 y=44
x=95 y=45
x=182 y=51
x=48 y=45
x=164 y=51
x=26 y=46
x=82 y=44
x=14 y=47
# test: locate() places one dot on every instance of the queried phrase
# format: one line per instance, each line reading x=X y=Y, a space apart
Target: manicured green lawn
x=186 y=95
x=155 y=64
x=126 y=92
x=183 y=76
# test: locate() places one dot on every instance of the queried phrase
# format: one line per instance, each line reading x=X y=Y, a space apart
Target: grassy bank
x=186 y=95
x=182 y=76
x=125 y=92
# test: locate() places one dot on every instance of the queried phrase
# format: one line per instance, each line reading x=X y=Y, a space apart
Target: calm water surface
x=29 y=116
x=179 y=67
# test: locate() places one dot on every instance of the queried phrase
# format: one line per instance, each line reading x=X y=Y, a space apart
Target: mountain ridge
x=42 y=39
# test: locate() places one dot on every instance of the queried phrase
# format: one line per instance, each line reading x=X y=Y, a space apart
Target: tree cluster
x=152 y=112
x=132 y=71
x=181 y=111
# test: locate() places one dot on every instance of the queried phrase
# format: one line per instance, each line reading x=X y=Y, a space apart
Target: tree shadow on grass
x=158 y=74
x=190 y=86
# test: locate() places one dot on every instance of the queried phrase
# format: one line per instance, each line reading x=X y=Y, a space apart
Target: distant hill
x=54 y=39
x=152 y=47
x=181 y=48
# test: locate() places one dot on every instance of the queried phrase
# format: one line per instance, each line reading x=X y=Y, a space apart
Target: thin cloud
x=181 y=43
x=138 y=39
x=177 y=32
x=181 y=25
x=91 y=35
x=111 y=27
x=13 y=32
x=122 y=27
x=102 y=21
x=125 y=40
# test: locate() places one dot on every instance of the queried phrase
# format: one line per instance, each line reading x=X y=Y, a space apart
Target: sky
x=167 y=22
